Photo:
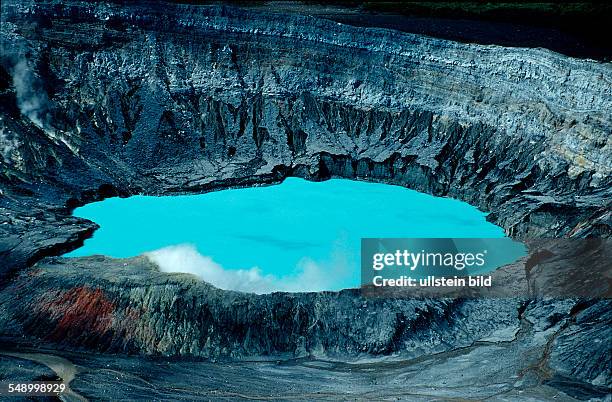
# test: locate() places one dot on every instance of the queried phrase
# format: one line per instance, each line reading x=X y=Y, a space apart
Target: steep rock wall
x=199 y=96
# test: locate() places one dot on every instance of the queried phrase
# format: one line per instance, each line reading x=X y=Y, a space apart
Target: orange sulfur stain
x=82 y=311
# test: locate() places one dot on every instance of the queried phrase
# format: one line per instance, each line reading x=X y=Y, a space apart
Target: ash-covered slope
x=101 y=100
x=461 y=348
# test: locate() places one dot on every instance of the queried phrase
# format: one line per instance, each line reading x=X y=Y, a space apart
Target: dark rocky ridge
x=193 y=99
x=575 y=29
x=128 y=306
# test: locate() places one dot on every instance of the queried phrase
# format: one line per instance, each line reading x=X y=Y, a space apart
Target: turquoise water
x=298 y=235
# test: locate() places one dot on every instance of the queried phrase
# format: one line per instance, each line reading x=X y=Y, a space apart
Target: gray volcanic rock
x=16 y=370
x=450 y=348
x=440 y=376
x=129 y=306
x=189 y=99
x=568 y=359
x=101 y=100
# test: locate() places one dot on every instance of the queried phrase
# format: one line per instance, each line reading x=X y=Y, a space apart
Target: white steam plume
x=309 y=276
x=31 y=100
x=8 y=145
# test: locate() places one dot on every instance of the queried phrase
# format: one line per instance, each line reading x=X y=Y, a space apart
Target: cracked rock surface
x=101 y=100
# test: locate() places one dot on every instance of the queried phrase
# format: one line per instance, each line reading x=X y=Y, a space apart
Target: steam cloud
x=32 y=100
x=309 y=276
x=8 y=145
